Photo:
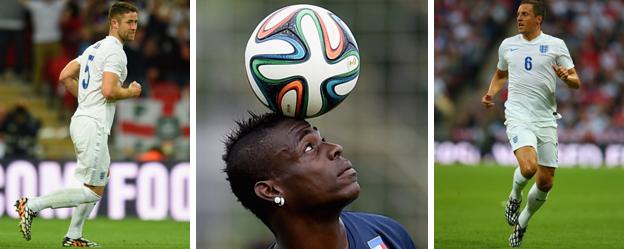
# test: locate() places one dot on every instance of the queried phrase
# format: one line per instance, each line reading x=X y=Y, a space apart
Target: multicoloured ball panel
x=302 y=61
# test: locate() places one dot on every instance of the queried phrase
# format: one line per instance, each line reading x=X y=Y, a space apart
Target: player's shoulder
x=109 y=46
x=552 y=39
x=369 y=227
x=511 y=40
x=111 y=43
x=374 y=220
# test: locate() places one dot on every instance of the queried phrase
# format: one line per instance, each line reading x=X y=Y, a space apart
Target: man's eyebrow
x=303 y=132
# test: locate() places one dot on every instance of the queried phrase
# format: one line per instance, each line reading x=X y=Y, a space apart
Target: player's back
x=106 y=55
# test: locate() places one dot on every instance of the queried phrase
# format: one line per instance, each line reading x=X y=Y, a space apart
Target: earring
x=279 y=200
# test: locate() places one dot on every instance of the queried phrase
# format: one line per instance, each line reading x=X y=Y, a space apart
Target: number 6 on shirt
x=527 y=63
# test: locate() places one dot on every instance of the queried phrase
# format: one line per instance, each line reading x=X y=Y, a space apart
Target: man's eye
x=308 y=148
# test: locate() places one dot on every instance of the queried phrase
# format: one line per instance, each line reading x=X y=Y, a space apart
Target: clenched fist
x=487 y=101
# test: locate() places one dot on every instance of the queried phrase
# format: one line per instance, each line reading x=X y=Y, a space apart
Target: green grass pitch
x=126 y=233
x=585 y=209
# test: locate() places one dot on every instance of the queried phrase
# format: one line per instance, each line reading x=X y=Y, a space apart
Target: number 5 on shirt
x=85 y=83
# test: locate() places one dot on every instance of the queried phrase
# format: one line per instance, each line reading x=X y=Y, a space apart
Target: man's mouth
x=347 y=170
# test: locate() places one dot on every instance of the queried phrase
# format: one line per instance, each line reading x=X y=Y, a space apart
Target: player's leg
x=527 y=161
x=74 y=238
x=86 y=138
x=80 y=216
x=68 y=197
x=547 y=151
x=81 y=213
x=543 y=180
x=538 y=194
x=62 y=198
x=523 y=142
x=536 y=198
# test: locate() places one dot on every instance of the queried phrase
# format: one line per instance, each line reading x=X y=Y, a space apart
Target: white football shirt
x=106 y=55
x=532 y=80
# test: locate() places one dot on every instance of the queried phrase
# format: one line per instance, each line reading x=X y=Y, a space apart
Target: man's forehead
x=294 y=127
x=525 y=7
x=129 y=15
x=291 y=131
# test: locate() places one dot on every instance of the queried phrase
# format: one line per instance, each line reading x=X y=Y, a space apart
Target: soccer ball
x=302 y=61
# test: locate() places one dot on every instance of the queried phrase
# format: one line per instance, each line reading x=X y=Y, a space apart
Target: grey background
x=382 y=125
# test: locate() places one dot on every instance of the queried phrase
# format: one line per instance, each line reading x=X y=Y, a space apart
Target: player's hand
x=135 y=88
x=487 y=101
x=561 y=72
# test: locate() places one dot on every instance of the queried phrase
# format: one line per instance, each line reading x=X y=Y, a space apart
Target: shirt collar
x=117 y=41
x=538 y=37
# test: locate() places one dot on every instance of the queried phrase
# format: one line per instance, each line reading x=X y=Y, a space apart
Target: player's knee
x=544 y=183
x=528 y=168
x=528 y=164
x=99 y=190
x=91 y=194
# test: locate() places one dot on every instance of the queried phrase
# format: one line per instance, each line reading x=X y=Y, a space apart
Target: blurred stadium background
x=467 y=36
x=149 y=144
x=382 y=125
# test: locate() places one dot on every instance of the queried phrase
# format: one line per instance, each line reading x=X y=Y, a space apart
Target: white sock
x=68 y=197
x=518 y=184
x=535 y=200
x=81 y=213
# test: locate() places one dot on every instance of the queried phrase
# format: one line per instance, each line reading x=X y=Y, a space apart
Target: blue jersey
x=370 y=231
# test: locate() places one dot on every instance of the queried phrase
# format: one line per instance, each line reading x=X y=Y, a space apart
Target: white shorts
x=542 y=138
x=91 y=146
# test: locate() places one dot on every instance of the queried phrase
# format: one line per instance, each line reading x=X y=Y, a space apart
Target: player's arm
x=496 y=84
x=569 y=76
x=69 y=77
x=112 y=90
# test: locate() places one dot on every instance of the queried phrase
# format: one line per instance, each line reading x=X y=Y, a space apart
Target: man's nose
x=335 y=151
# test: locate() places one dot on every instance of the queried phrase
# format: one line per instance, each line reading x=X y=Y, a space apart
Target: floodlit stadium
x=149 y=142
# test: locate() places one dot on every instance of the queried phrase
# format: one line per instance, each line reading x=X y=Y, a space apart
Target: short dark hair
x=538 y=7
x=246 y=161
x=120 y=8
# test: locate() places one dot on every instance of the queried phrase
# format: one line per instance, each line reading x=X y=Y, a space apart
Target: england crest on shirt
x=543 y=49
x=376 y=243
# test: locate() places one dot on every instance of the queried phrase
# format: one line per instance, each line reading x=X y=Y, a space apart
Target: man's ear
x=268 y=190
x=540 y=19
x=114 y=23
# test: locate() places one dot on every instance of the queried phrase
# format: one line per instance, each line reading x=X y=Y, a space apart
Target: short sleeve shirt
x=532 y=80
x=106 y=55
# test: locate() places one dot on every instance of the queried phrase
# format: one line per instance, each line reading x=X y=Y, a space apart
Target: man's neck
x=114 y=34
x=310 y=232
x=532 y=35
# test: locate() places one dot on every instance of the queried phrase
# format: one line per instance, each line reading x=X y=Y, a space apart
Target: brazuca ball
x=302 y=61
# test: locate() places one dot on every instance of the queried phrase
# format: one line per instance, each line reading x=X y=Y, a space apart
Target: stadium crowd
x=39 y=37
x=467 y=38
